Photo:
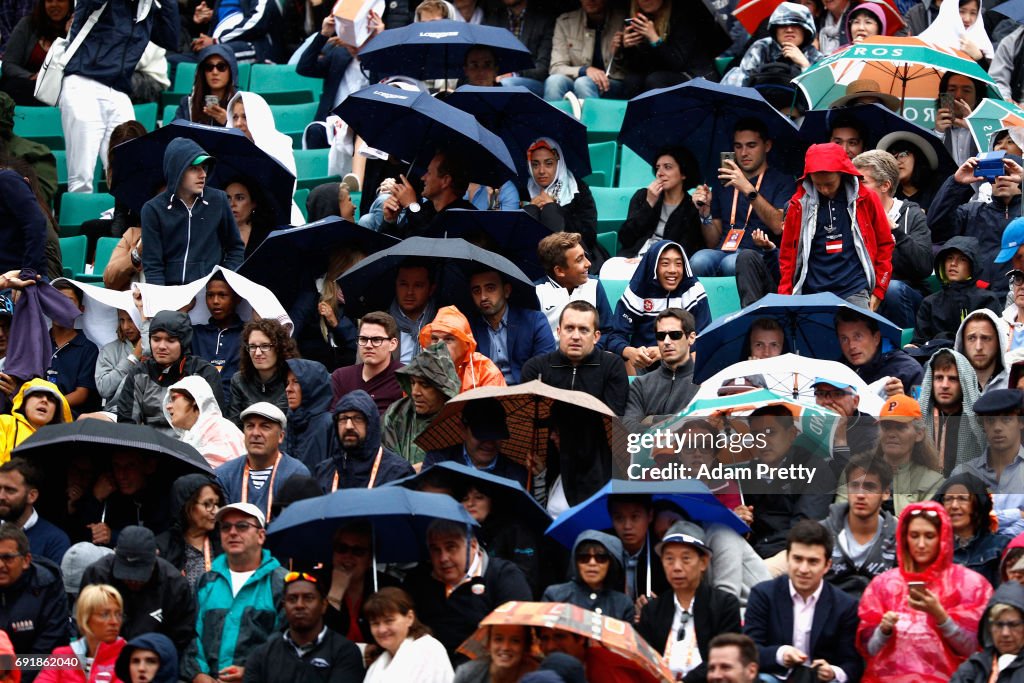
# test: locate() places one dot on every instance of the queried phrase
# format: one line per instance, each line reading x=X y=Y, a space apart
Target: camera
x=990 y=166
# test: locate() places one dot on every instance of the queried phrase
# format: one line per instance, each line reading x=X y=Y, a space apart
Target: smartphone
x=726 y=156
x=629 y=22
x=916 y=585
x=947 y=101
x=211 y=100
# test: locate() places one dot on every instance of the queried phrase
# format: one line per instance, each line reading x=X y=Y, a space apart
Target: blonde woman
x=661 y=48
x=99 y=613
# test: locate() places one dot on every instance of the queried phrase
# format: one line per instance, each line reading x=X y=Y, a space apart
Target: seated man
x=667 y=389
x=848 y=133
x=474 y=368
x=861 y=343
x=506 y=334
x=948 y=392
x=856 y=431
x=631 y=522
x=378 y=338
x=219 y=341
x=777 y=607
x=583 y=55
x=128 y=496
x=461 y=584
x=444 y=184
x=983 y=337
x=564 y=260
x=766 y=339
x=483 y=429
x=414 y=304
x=428 y=381
x=73 y=365
x=19 y=491
x=940 y=314
x=732 y=658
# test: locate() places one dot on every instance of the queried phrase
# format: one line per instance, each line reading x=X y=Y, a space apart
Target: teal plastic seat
x=610 y=242
x=72 y=254
x=300 y=198
x=603 y=118
x=311 y=165
x=614 y=289
x=612 y=207
x=104 y=250
x=146 y=114
x=633 y=171
x=41 y=124
x=602 y=163
x=279 y=84
x=292 y=119
x=78 y=207
x=723 y=297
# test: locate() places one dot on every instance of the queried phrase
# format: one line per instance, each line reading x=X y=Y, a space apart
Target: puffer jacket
x=184 y=243
x=308 y=436
x=154 y=642
x=768 y=50
x=214 y=436
x=474 y=368
x=15 y=427
x=607 y=601
x=402 y=424
x=970 y=438
x=1001 y=376
x=102 y=670
x=978 y=667
x=940 y=314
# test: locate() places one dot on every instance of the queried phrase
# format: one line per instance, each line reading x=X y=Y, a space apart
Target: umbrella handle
x=373 y=556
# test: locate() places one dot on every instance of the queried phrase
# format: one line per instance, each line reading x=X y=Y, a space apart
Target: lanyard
x=373 y=472
x=206 y=553
x=691 y=642
x=270 y=484
x=750 y=206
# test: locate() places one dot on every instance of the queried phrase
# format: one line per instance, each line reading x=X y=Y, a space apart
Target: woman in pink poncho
x=921 y=634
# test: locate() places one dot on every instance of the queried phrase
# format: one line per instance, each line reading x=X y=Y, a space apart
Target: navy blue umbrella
x=1013 y=9
x=399 y=517
x=288 y=260
x=695 y=499
x=877 y=122
x=513 y=234
x=700 y=115
x=437 y=49
x=139 y=165
x=808 y=322
x=369 y=285
x=519 y=117
x=414 y=125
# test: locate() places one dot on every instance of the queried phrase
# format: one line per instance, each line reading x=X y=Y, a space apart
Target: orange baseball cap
x=900 y=408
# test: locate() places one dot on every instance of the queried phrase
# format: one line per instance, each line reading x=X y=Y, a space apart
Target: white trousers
x=89 y=111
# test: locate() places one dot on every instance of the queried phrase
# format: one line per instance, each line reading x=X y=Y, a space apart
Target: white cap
x=246 y=509
x=267 y=410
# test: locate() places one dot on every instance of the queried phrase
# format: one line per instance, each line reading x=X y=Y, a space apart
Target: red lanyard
x=270 y=484
x=373 y=472
x=750 y=206
x=206 y=553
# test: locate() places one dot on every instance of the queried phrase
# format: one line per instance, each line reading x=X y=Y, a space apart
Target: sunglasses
x=215 y=66
x=299 y=576
x=674 y=335
x=928 y=513
x=353 y=550
x=587 y=558
x=240 y=527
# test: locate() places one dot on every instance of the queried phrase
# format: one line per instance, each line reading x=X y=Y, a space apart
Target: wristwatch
x=414 y=207
x=752 y=195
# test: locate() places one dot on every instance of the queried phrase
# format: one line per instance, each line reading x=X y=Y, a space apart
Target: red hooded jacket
x=872 y=232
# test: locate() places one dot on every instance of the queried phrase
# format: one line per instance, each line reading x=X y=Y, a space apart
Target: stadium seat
x=311 y=165
x=603 y=118
x=723 y=297
x=300 y=198
x=721 y=64
x=62 y=170
x=292 y=119
x=612 y=207
x=602 y=162
x=613 y=289
x=41 y=124
x=168 y=115
x=78 y=207
x=908 y=336
x=279 y=84
x=633 y=171
x=610 y=242
x=146 y=114
x=72 y=254
x=104 y=250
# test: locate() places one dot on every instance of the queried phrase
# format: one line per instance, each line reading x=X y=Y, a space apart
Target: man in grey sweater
x=667 y=388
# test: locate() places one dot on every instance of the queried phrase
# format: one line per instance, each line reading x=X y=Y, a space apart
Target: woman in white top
x=408 y=651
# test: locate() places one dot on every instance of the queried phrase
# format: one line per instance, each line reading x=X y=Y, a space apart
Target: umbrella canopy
x=990 y=117
x=877 y=122
x=513 y=234
x=506 y=494
x=624 y=646
x=399 y=518
x=288 y=260
x=438 y=49
x=808 y=321
x=700 y=115
x=692 y=496
x=1013 y=9
x=519 y=117
x=413 y=126
x=139 y=165
x=753 y=12
x=368 y=286
x=527 y=409
x=904 y=67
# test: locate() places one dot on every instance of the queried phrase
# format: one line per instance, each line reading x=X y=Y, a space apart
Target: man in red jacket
x=836 y=237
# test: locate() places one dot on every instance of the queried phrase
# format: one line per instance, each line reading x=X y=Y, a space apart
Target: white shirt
x=683 y=654
x=238 y=580
x=803 y=620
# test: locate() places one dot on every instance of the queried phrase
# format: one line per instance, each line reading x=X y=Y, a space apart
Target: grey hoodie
x=847 y=575
x=970 y=439
x=1001 y=375
x=612 y=603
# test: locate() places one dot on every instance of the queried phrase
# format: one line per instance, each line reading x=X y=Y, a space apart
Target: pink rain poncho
x=916 y=652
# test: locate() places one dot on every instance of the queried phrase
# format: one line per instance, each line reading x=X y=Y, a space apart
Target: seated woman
x=27 y=46
x=595 y=575
x=216 y=77
x=193 y=412
x=1002 y=637
x=253 y=215
x=405 y=649
x=36 y=404
x=352 y=583
x=99 y=615
x=919 y=620
x=663 y=210
x=192 y=542
x=661 y=47
x=685 y=558
x=509 y=657
x=977 y=543
x=960 y=26
x=790 y=43
x=866 y=20
x=917 y=162
x=262 y=371
x=321 y=329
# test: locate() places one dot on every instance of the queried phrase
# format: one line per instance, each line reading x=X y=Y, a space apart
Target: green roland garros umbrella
x=905 y=67
x=992 y=116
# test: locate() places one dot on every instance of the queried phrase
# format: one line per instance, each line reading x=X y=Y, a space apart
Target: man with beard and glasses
x=19 y=491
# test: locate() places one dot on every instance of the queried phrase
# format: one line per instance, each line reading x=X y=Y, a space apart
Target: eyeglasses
x=7 y=558
x=299 y=576
x=962 y=498
x=354 y=419
x=371 y=341
x=674 y=335
x=902 y=155
x=262 y=348
x=587 y=558
x=353 y=550
x=215 y=66
x=1016 y=279
x=240 y=527
x=1011 y=625
x=831 y=394
x=109 y=615
x=208 y=505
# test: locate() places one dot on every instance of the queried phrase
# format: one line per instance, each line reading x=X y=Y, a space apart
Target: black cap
x=135 y=554
x=999 y=402
x=485 y=417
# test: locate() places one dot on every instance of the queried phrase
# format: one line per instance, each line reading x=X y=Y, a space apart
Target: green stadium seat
x=279 y=84
x=41 y=124
x=563 y=105
x=311 y=165
x=633 y=171
x=721 y=64
x=146 y=114
x=292 y=119
x=169 y=112
x=62 y=170
x=300 y=198
x=597 y=179
x=72 y=254
x=908 y=336
x=934 y=284
x=723 y=297
x=78 y=207
x=104 y=250
x=612 y=207
x=602 y=161
x=610 y=242
x=184 y=77
x=603 y=118
x=613 y=289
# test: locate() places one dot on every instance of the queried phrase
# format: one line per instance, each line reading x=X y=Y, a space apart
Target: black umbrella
x=513 y=234
x=369 y=286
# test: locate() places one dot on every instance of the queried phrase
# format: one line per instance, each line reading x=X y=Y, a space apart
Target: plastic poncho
x=213 y=435
x=916 y=652
x=563 y=188
x=474 y=368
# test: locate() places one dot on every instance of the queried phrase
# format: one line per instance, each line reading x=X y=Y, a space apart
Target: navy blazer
x=769 y=621
x=329 y=66
x=528 y=335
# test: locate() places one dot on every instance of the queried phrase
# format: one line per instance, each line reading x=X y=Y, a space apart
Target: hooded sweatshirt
x=916 y=651
x=607 y=601
x=959 y=438
x=645 y=298
x=402 y=424
x=1004 y=564
x=154 y=642
x=365 y=466
x=15 y=428
x=768 y=50
x=872 y=240
x=979 y=666
x=940 y=314
x=851 y=576
x=474 y=368
x=184 y=243
x=213 y=435
x=1001 y=373
x=227 y=54
x=308 y=436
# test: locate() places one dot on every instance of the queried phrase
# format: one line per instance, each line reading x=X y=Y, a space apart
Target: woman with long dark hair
x=216 y=77
x=976 y=543
x=28 y=46
x=192 y=543
x=252 y=212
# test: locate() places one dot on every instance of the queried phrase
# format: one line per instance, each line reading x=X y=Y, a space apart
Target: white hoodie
x=213 y=435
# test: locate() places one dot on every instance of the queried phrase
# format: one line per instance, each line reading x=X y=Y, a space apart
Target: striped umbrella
x=753 y=12
x=991 y=116
x=908 y=68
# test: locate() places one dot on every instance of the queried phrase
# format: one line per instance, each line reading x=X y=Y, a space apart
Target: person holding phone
x=919 y=620
x=216 y=82
x=958 y=96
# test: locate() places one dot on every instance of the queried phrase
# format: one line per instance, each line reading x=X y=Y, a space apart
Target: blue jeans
x=901 y=303
x=532 y=84
x=557 y=85
x=714 y=263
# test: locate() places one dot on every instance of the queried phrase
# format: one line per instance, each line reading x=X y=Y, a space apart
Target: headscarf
x=564 y=186
x=948 y=28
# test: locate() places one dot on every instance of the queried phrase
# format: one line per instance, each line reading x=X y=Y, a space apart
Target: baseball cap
x=1013 y=238
x=900 y=408
x=267 y=410
x=75 y=561
x=485 y=417
x=998 y=402
x=135 y=554
x=201 y=159
x=245 y=509
x=686 y=533
x=838 y=384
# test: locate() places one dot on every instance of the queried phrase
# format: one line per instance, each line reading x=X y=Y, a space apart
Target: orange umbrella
x=621 y=647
